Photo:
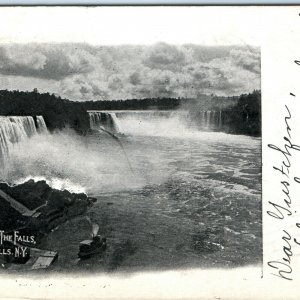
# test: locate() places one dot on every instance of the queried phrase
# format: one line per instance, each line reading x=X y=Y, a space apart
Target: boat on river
x=88 y=248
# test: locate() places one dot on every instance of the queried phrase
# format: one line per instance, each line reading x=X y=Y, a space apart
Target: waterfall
x=155 y=121
x=214 y=121
x=116 y=122
x=41 y=125
x=104 y=120
x=141 y=122
x=16 y=129
x=210 y=120
x=112 y=120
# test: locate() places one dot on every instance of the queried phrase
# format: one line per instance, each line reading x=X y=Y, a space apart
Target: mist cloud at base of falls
x=157 y=123
x=153 y=126
x=68 y=161
x=97 y=163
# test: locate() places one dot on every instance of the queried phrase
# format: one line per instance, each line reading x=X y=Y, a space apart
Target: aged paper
x=149 y=152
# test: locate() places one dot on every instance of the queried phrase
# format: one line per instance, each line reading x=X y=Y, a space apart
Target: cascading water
x=220 y=119
x=16 y=129
x=151 y=122
x=210 y=120
x=103 y=120
x=108 y=123
x=116 y=122
x=41 y=125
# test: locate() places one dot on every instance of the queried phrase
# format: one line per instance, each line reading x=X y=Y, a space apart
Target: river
x=168 y=198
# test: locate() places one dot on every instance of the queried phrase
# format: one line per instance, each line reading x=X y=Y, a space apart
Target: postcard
x=150 y=152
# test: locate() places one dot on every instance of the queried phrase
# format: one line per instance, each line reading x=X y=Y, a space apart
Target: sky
x=108 y=53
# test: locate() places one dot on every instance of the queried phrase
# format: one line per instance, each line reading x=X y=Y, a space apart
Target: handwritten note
x=283 y=209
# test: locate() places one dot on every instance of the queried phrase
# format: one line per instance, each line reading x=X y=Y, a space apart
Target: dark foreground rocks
x=45 y=208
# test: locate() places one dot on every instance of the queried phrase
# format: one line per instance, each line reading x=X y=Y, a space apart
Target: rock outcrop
x=51 y=207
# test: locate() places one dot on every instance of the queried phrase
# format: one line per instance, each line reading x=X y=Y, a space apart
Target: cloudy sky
x=119 y=53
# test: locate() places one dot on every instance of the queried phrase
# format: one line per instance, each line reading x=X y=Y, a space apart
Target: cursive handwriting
x=284 y=268
x=282 y=209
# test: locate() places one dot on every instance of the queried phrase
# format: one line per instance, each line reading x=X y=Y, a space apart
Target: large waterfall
x=155 y=121
x=117 y=121
x=105 y=120
x=210 y=119
x=16 y=129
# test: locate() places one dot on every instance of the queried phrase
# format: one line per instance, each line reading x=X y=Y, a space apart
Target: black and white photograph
x=130 y=140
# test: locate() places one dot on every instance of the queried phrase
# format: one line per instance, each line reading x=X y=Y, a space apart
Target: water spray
x=120 y=144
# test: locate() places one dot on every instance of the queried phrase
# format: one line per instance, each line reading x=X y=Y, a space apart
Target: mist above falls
x=99 y=162
x=66 y=160
x=156 y=123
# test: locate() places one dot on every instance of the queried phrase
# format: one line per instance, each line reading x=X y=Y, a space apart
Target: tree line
x=243 y=113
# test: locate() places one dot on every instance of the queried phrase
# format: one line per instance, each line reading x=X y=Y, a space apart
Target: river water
x=168 y=197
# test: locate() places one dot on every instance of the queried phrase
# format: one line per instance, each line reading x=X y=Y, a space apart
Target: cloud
x=47 y=62
x=85 y=72
x=163 y=56
x=249 y=60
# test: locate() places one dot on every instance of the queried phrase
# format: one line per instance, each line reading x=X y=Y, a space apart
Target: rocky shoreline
x=36 y=208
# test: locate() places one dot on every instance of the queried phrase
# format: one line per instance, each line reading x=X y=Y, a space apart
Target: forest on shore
x=242 y=113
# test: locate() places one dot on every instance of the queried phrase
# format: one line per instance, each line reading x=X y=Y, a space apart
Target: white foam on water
x=55 y=183
x=173 y=124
